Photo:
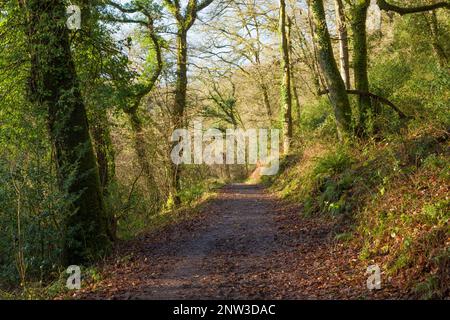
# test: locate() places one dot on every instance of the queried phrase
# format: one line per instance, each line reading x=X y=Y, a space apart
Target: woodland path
x=245 y=244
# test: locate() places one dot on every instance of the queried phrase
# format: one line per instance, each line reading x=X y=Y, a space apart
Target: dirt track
x=245 y=244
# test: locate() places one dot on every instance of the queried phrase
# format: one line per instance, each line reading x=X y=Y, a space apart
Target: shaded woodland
x=359 y=89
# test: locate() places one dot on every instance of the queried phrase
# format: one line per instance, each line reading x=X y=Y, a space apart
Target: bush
x=32 y=217
x=317 y=118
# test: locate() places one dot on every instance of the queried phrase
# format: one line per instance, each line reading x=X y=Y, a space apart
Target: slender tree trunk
x=292 y=69
x=181 y=84
x=286 y=93
x=226 y=172
x=297 y=100
x=55 y=87
x=358 y=23
x=337 y=92
x=343 y=42
x=185 y=20
x=180 y=103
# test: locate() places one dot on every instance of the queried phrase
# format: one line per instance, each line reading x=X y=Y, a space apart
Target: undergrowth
x=392 y=194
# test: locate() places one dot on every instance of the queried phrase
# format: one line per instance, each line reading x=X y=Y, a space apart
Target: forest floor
x=244 y=244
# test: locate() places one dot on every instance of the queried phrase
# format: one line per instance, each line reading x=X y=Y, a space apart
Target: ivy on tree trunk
x=54 y=87
x=358 y=24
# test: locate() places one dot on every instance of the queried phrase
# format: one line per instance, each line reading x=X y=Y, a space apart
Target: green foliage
x=438 y=163
x=393 y=192
x=331 y=164
x=32 y=231
x=197 y=185
x=136 y=211
x=436 y=214
x=32 y=206
x=317 y=119
x=407 y=72
x=323 y=187
x=330 y=186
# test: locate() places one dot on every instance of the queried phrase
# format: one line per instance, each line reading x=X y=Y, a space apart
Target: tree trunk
x=343 y=42
x=180 y=102
x=292 y=69
x=337 y=92
x=286 y=93
x=358 y=23
x=185 y=20
x=297 y=100
x=55 y=87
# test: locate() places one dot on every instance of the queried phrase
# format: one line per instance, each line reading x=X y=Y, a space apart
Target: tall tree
x=341 y=25
x=54 y=86
x=286 y=93
x=358 y=24
x=292 y=70
x=142 y=14
x=185 y=20
x=336 y=86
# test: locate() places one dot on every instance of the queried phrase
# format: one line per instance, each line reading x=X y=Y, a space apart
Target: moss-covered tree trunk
x=286 y=93
x=185 y=20
x=180 y=102
x=336 y=86
x=54 y=86
x=181 y=84
x=358 y=24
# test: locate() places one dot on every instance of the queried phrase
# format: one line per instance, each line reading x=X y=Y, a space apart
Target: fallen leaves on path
x=244 y=244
